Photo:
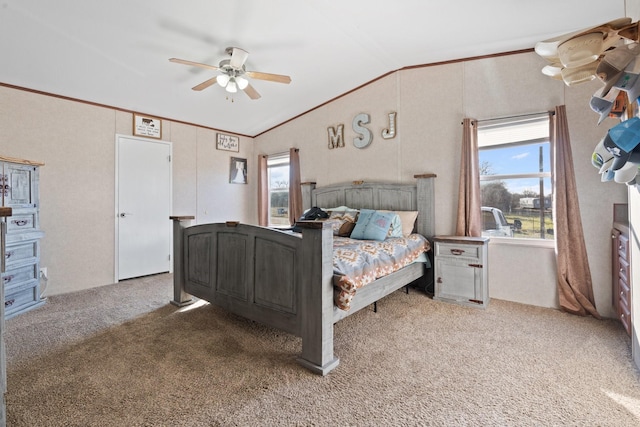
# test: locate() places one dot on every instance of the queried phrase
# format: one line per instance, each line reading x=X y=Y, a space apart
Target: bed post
x=180 y=297
x=426 y=224
x=316 y=298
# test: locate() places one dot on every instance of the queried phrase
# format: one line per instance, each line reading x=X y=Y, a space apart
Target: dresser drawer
x=21 y=299
x=458 y=251
x=21 y=252
x=625 y=318
x=623 y=246
x=623 y=270
x=17 y=276
x=624 y=294
x=22 y=222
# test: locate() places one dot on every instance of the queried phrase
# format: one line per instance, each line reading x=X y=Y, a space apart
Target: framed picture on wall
x=150 y=127
x=227 y=142
x=238 y=171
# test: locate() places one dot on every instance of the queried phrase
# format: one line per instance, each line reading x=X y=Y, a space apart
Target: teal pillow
x=372 y=225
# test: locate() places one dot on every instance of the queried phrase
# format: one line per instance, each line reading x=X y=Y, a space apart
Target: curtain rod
x=515 y=116
x=282 y=153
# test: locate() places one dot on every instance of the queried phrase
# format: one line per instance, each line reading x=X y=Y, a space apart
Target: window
x=278 y=179
x=515 y=177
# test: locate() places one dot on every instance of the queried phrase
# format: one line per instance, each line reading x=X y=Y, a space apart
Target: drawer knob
x=9 y=303
x=457 y=251
x=20 y=222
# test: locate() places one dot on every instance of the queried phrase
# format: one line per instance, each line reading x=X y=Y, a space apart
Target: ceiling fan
x=234 y=73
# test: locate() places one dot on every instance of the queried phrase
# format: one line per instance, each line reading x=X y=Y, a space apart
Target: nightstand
x=461 y=270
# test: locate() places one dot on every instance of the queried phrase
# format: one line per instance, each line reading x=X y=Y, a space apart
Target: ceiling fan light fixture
x=242 y=83
x=232 y=87
x=223 y=80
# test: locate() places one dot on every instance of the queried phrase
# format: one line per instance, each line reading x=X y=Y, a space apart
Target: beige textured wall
x=431 y=103
x=76 y=141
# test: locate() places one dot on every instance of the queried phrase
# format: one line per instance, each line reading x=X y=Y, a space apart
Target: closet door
x=144 y=207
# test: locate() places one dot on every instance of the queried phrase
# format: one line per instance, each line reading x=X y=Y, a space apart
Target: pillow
x=341 y=209
x=343 y=222
x=408 y=220
x=372 y=225
x=395 y=230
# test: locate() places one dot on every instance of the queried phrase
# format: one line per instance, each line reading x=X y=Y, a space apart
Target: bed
x=286 y=280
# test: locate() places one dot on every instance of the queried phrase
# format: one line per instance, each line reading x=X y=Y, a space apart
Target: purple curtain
x=469 y=221
x=263 y=192
x=575 y=289
x=295 y=190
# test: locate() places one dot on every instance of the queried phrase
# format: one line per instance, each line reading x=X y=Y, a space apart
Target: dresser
x=461 y=270
x=19 y=181
x=621 y=266
x=4 y=212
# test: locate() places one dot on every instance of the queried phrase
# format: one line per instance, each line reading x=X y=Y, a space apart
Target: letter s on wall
x=365 y=134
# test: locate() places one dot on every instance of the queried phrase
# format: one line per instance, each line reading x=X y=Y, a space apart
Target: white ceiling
x=115 y=52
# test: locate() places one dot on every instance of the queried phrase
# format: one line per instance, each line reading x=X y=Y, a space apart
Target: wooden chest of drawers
x=21 y=279
x=621 y=274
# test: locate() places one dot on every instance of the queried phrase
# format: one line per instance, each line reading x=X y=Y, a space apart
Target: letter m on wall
x=336 y=137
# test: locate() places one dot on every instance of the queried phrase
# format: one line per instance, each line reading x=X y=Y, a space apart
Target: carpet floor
x=121 y=355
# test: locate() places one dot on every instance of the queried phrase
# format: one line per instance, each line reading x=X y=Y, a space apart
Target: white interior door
x=143 y=207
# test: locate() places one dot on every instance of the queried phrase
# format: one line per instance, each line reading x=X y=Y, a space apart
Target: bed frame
x=283 y=280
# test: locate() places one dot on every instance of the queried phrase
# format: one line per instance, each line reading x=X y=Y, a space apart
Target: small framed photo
x=227 y=142
x=150 y=127
x=238 y=171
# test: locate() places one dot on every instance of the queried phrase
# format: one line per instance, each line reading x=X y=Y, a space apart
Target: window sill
x=533 y=243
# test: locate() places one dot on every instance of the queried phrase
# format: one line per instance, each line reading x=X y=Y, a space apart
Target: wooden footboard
x=273 y=277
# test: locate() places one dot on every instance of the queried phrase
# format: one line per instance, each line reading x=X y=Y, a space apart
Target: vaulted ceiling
x=116 y=52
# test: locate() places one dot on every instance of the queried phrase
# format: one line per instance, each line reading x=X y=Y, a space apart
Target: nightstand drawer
x=458 y=251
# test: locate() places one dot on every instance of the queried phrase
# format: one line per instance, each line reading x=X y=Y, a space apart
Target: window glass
x=515 y=178
x=278 y=178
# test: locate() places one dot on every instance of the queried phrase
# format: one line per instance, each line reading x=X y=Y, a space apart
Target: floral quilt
x=357 y=263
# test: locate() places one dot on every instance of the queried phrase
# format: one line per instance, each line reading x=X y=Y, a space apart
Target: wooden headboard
x=418 y=196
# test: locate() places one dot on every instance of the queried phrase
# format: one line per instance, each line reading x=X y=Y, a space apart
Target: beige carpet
x=120 y=355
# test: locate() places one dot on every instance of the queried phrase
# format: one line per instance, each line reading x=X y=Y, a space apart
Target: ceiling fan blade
x=195 y=64
x=278 y=78
x=205 y=84
x=238 y=57
x=253 y=94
